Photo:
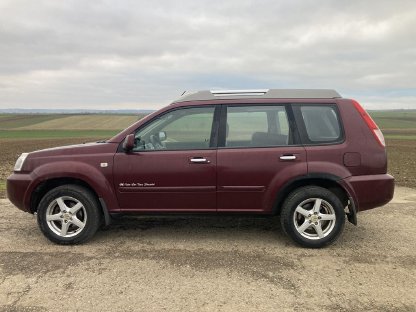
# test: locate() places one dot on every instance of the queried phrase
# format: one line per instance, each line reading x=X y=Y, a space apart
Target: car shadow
x=185 y=227
x=127 y=222
x=220 y=228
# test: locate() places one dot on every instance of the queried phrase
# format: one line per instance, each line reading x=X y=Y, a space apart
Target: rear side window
x=321 y=124
x=256 y=126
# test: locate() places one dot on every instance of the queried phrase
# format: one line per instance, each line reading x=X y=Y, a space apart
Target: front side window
x=181 y=129
x=257 y=126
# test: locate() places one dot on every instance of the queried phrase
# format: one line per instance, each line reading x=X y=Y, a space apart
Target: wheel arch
x=328 y=181
x=43 y=187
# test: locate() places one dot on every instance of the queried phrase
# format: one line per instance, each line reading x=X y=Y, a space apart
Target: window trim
x=293 y=130
x=302 y=127
x=213 y=136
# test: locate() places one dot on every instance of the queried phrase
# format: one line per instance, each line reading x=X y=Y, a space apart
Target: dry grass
x=84 y=122
x=67 y=122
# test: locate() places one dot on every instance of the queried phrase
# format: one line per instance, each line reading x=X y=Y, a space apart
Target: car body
x=243 y=151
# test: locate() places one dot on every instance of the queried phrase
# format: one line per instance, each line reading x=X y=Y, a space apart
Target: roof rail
x=239 y=92
x=260 y=94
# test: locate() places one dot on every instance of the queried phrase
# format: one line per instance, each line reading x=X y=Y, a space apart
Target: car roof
x=258 y=94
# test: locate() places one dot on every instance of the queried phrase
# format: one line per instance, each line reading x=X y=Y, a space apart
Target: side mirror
x=162 y=136
x=128 y=143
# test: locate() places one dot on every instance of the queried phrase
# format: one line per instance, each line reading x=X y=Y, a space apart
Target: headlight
x=19 y=163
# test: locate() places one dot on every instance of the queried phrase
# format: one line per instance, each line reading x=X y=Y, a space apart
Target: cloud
x=142 y=54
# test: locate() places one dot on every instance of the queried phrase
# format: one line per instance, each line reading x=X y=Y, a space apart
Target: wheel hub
x=67 y=216
x=314 y=218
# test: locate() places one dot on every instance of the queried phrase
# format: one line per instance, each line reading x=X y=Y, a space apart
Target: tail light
x=370 y=123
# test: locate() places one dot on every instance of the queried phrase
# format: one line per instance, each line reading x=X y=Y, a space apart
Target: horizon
x=126 y=111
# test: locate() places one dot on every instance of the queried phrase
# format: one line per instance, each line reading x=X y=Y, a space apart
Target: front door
x=173 y=164
x=259 y=153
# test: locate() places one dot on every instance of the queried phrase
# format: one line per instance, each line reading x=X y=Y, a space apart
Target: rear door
x=258 y=153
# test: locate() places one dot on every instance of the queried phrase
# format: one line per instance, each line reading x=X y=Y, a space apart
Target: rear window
x=321 y=123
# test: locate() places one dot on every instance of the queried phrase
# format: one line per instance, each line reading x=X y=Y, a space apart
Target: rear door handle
x=199 y=160
x=288 y=157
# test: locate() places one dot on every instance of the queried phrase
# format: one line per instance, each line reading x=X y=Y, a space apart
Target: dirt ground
x=402 y=161
x=212 y=264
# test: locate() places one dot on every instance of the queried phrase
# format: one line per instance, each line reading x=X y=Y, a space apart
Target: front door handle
x=199 y=160
x=288 y=157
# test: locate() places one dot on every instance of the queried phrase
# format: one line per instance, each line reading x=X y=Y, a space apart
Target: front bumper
x=18 y=185
x=371 y=191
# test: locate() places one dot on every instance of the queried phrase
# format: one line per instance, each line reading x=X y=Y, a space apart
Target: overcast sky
x=144 y=54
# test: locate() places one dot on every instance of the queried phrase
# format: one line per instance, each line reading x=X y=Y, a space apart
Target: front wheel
x=313 y=216
x=69 y=214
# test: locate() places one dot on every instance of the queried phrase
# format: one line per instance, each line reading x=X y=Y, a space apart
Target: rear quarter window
x=319 y=124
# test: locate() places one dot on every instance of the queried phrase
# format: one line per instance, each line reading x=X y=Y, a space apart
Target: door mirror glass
x=162 y=136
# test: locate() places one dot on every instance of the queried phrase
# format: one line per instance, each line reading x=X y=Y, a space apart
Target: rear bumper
x=371 y=191
x=17 y=188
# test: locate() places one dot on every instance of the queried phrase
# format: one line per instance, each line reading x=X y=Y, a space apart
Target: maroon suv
x=309 y=155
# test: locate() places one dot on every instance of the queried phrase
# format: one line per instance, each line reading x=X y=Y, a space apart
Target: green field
x=400 y=124
x=400 y=119
x=26 y=126
x=66 y=121
x=24 y=132
x=12 y=121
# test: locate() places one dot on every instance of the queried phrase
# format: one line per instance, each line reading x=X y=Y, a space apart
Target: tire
x=313 y=216
x=69 y=214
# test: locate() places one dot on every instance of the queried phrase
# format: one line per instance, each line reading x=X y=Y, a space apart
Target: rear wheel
x=69 y=214
x=313 y=216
